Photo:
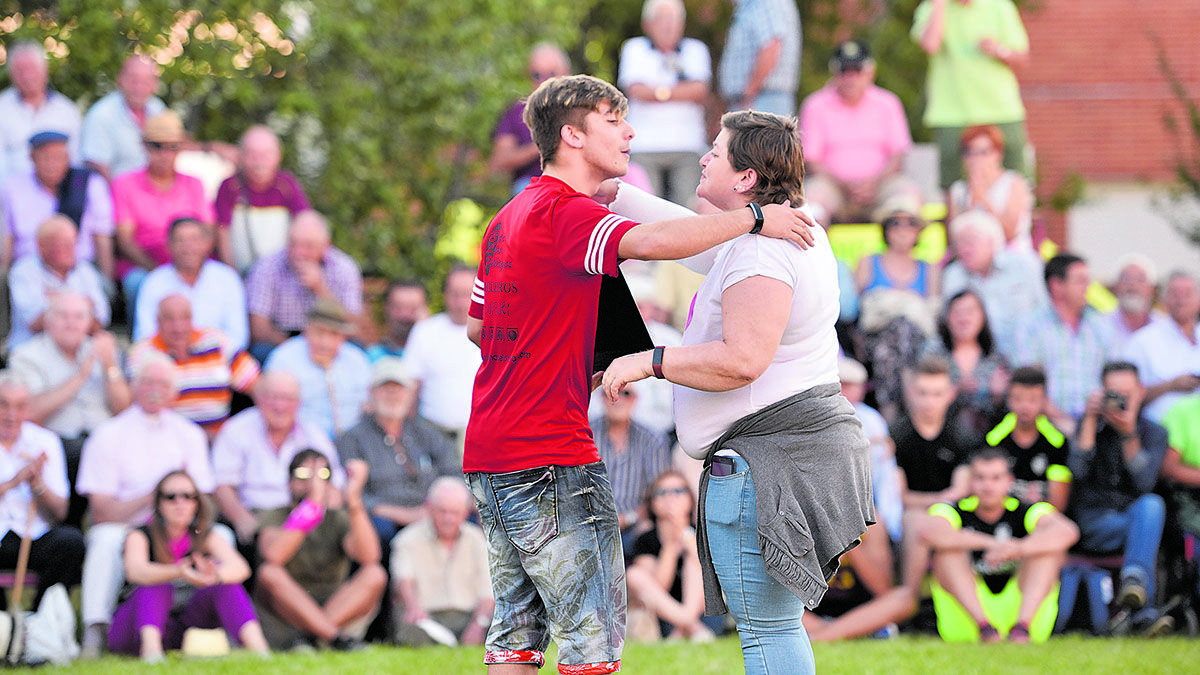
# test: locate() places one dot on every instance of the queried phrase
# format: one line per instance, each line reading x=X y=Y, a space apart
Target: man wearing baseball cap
x=855 y=138
x=406 y=452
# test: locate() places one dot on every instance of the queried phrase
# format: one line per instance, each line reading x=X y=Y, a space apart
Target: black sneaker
x=1121 y=623
x=345 y=643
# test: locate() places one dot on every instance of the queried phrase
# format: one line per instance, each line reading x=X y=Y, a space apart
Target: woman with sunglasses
x=787 y=489
x=895 y=316
x=183 y=575
x=664 y=569
x=989 y=187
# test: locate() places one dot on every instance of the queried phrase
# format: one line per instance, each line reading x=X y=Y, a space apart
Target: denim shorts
x=554 y=550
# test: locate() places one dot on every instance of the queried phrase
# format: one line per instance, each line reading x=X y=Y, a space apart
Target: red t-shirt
x=537 y=292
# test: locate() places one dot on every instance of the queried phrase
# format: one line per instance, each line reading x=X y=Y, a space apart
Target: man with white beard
x=1136 y=287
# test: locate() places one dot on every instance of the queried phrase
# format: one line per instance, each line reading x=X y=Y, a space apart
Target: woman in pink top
x=147 y=201
x=183 y=575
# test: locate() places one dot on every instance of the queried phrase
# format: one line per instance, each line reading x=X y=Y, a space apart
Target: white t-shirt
x=1162 y=352
x=808 y=351
x=665 y=126
x=126 y=456
x=441 y=356
x=14 y=504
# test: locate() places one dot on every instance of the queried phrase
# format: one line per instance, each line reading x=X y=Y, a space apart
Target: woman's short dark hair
x=987 y=343
x=769 y=144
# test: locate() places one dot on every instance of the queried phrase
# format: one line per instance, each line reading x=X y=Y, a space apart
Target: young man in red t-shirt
x=544 y=495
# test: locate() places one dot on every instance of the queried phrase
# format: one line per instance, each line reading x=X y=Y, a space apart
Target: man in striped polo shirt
x=210 y=368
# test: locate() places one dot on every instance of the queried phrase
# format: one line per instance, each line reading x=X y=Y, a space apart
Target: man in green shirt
x=974 y=47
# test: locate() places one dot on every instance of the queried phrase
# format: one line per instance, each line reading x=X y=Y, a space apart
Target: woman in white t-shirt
x=989 y=187
x=760 y=332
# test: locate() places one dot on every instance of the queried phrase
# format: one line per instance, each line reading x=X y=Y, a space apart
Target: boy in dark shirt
x=930 y=446
x=1037 y=450
x=991 y=550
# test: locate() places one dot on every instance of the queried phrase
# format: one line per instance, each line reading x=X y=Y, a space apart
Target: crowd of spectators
x=245 y=433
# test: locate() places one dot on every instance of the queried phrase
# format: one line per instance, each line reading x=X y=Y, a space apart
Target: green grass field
x=924 y=655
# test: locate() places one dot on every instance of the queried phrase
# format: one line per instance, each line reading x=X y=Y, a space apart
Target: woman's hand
x=629 y=368
x=672 y=528
x=198 y=571
x=999 y=382
x=607 y=192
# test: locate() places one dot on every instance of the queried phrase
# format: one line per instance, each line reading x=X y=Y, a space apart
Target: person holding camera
x=1115 y=462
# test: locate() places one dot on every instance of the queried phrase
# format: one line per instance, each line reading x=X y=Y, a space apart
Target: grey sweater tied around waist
x=810 y=463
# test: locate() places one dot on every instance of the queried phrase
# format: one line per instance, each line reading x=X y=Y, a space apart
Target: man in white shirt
x=253 y=450
x=1135 y=288
x=30 y=106
x=666 y=77
x=214 y=289
x=1167 y=352
x=443 y=361
x=75 y=380
x=35 y=475
x=112 y=128
x=122 y=462
x=36 y=278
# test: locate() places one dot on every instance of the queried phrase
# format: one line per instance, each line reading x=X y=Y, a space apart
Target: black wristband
x=656 y=362
x=758 y=217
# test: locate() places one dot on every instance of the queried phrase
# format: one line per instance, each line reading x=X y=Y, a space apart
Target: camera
x=1115 y=401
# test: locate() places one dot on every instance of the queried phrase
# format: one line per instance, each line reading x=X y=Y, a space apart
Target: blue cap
x=43 y=137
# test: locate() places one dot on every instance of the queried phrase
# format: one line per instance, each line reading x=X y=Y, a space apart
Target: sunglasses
x=893 y=221
x=305 y=473
x=977 y=152
x=663 y=492
x=178 y=496
x=540 y=76
x=155 y=145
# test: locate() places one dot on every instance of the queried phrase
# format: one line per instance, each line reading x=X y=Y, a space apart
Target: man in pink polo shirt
x=148 y=200
x=855 y=138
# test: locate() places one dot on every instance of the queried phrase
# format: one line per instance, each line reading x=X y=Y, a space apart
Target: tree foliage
x=386 y=106
x=406 y=94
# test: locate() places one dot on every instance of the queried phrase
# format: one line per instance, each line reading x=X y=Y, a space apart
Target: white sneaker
x=93 y=641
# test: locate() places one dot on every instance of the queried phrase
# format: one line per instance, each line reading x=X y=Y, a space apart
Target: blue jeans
x=773 y=638
x=1138 y=530
x=554 y=551
x=130 y=285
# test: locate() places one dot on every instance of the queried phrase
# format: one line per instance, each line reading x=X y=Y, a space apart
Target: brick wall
x=1095 y=95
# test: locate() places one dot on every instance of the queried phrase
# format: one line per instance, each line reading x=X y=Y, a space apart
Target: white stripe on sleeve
x=593 y=262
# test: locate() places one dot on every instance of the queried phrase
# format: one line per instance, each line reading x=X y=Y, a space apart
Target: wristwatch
x=758 y=217
x=662 y=93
